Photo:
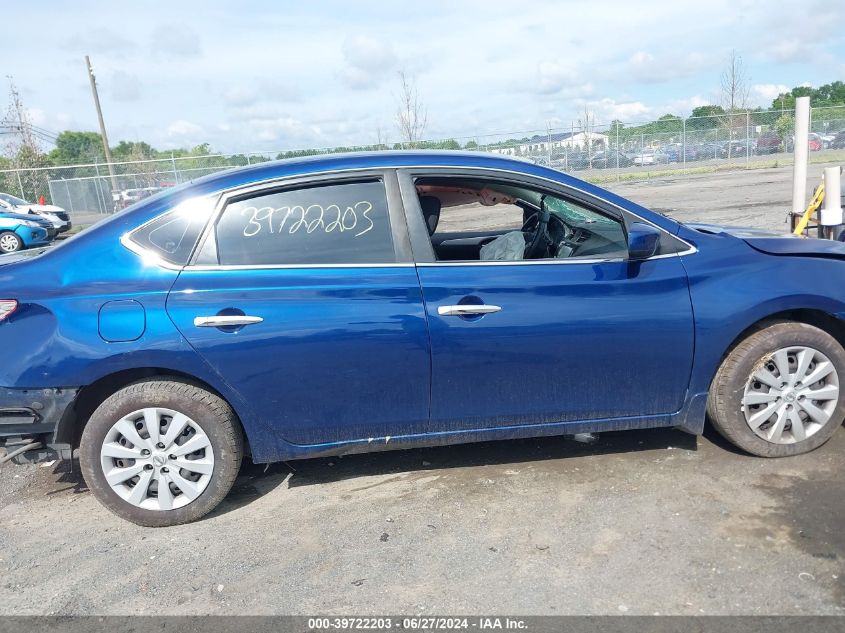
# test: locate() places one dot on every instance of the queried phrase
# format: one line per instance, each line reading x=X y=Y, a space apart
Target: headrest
x=431 y=212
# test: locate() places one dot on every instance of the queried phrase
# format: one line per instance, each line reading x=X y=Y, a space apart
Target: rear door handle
x=467 y=309
x=226 y=320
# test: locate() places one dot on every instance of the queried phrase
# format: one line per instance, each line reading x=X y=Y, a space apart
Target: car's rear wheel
x=777 y=393
x=161 y=452
x=9 y=242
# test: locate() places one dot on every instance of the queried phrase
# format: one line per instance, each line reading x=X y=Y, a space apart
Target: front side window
x=470 y=220
x=332 y=224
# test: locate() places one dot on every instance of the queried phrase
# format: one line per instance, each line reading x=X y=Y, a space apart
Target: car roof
x=388 y=159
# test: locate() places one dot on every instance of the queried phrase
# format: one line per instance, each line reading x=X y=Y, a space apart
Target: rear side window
x=172 y=235
x=333 y=224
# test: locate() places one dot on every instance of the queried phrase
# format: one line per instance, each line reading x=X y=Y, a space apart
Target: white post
x=831 y=213
x=799 y=168
x=747 y=137
x=617 y=150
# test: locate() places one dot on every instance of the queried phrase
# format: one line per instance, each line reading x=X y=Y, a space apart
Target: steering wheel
x=539 y=242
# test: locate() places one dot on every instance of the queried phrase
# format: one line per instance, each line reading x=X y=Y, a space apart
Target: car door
x=303 y=298
x=557 y=340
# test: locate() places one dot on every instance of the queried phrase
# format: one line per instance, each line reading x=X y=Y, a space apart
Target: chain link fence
x=619 y=150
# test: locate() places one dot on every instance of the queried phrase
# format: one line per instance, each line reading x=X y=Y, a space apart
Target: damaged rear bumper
x=28 y=415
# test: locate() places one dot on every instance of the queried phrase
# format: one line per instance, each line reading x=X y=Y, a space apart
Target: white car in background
x=57 y=216
x=645 y=157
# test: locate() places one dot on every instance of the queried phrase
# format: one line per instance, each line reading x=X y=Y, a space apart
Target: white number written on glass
x=309 y=219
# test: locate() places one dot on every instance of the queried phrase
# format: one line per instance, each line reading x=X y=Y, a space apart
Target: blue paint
x=122 y=321
x=346 y=357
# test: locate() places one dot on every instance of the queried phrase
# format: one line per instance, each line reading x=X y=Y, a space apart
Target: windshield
x=13 y=200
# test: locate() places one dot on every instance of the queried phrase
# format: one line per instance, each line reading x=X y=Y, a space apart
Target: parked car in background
x=20 y=231
x=576 y=161
x=827 y=139
x=648 y=157
x=678 y=153
x=838 y=141
x=610 y=160
x=57 y=216
x=710 y=151
x=128 y=197
x=814 y=143
x=768 y=143
x=738 y=149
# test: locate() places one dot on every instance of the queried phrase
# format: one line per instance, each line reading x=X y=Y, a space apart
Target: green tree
x=785 y=125
x=707 y=111
x=132 y=150
x=832 y=94
x=73 y=148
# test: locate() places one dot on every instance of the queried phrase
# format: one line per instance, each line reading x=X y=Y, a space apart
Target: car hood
x=45 y=208
x=774 y=243
x=20 y=217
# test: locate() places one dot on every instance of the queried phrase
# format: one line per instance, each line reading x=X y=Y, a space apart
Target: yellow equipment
x=815 y=204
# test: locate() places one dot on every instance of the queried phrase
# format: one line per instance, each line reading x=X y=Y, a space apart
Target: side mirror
x=643 y=240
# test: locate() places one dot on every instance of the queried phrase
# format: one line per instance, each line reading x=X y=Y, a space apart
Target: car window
x=172 y=235
x=478 y=220
x=330 y=224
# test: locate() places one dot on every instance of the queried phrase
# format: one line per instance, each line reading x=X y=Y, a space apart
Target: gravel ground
x=641 y=522
x=757 y=197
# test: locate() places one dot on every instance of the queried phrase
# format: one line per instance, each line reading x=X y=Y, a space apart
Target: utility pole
x=105 y=137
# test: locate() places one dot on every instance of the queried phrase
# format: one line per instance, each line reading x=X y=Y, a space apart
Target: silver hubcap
x=157 y=459
x=791 y=395
x=8 y=243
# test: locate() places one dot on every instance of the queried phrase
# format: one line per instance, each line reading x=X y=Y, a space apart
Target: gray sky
x=284 y=75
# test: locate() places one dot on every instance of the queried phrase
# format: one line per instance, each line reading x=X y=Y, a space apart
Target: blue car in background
x=18 y=231
x=363 y=302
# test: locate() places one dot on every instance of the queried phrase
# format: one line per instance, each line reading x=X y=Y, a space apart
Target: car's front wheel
x=161 y=452
x=9 y=242
x=777 y=393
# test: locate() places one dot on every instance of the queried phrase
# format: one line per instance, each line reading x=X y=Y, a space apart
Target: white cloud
x=650 y=68
x=607 y=109
x=367 y=61
x=185 y=133
x=764 y=93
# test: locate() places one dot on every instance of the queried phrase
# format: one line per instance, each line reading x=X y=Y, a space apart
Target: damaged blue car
x=363 y=302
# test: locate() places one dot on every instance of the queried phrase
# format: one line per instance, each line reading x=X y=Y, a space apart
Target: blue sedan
x=363 y=302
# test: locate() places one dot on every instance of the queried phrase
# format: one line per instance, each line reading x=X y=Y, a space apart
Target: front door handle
x=229 y=320
x=467 y=309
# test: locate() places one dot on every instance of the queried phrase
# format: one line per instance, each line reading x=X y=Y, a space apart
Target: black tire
x=209 y=411
x=724 y=405
x=9 y=237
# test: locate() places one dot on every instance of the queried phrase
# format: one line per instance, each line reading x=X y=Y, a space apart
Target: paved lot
x=642 y=522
